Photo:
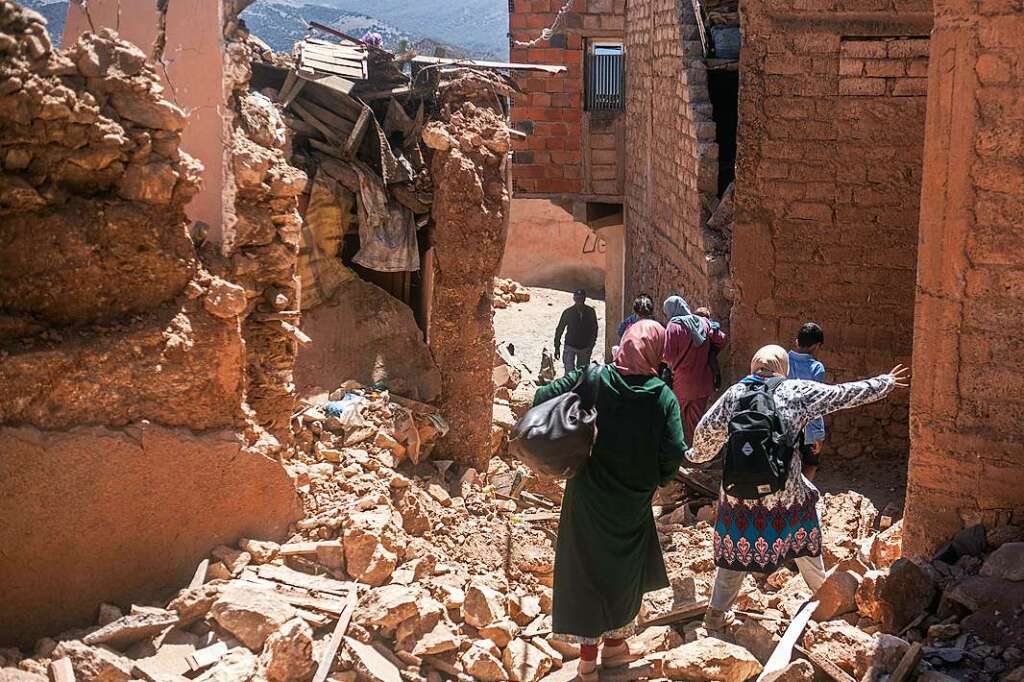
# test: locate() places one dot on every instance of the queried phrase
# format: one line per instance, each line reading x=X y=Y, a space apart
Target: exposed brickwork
x=828 y=182
x=967 y=459
x=672 y=159
x=567 y=151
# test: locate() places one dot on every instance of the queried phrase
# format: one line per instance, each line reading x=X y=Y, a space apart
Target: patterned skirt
x=750 y=536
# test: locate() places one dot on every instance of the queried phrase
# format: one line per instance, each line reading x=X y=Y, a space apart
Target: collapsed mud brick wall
x=121 y=355
x=470 y=213
x=168 y=33
x=832 y=104
x=672 y=164
x=567 y=150
x=261 y=236
x=967 y=454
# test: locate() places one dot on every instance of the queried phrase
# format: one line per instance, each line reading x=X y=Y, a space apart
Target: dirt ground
x=531 y=326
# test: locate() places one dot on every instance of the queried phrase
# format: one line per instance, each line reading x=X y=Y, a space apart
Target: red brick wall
x=828 y=187
x=552 y=159
x=671 y=166
x=967 y=457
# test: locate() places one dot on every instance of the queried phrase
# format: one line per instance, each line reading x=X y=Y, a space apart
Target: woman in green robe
x=607 y=555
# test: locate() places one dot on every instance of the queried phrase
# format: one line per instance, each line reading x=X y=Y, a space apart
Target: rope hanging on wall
x=547 y=32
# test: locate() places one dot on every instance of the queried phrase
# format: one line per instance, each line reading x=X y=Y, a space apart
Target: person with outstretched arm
x=760 y=534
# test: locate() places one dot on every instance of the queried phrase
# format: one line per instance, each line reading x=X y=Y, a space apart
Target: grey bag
x=554 y=438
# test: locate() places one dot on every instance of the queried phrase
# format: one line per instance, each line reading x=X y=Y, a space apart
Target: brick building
x=822 y=126
x=967 y=442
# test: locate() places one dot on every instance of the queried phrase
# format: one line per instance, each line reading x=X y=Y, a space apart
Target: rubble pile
x=408 y=567
x=507 y=292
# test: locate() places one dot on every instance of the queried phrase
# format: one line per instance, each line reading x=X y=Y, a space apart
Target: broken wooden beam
x=312 y=120
x=784 y=649
x=317 y=583
x=680 y=614
x=338 y=124
x=907 y=664
x=378 y=667
x=355 y=138
x=824 y=665
x=337 y=637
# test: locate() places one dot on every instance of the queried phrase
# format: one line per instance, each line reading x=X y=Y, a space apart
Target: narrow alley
x=270 y=319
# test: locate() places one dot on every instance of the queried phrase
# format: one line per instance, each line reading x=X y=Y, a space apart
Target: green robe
x=607 y=555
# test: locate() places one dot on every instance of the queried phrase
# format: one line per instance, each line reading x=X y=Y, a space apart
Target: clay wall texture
x=967 y=454
x=672 y=164
x=126 y=447
x=547 y=248
x=828 y=179
x=568 y=151
x=191 y=79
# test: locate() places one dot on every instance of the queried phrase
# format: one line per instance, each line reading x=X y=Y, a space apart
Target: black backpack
x=758 y=450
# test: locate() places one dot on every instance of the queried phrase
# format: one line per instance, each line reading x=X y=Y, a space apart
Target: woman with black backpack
x=607 y=554
x=767 y=511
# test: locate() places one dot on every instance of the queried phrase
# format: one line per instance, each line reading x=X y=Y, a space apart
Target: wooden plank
x=317 y=583
x=296 y=596
x=61 y=670
x=335 y=32
x=338 y=123
x=327 y=659
x=680 y=614
x=312 y=120
x=509 y=66
x=320 y=64
x=907 y=664
x=289 y=83
x=300 y=83
x=339 y=102
x=784 y=649
x=338 y=84
x=355 y=138
x=199 y=577
x=824 y=665
x=379 y=667
x=204 y=658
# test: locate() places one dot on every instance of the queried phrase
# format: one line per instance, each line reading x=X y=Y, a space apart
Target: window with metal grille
x=606 y=77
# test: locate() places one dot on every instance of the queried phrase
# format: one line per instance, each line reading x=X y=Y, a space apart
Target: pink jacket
x=691 y=376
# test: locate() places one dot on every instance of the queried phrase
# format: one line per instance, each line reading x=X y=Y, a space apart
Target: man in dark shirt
x=579 y=321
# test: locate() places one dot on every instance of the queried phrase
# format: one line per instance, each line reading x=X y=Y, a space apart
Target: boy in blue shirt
x=804 y=365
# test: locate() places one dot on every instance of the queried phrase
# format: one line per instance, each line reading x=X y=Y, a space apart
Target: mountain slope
x=473 y=28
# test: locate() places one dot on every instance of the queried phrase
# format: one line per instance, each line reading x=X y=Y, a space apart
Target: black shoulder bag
x=555 y=438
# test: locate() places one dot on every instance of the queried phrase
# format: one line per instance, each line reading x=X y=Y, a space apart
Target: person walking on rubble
x=607 y=553
x=763 y=523
x=580 y=320
x=689 y=340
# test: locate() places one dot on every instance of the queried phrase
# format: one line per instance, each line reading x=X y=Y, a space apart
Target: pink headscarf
x=641 y=349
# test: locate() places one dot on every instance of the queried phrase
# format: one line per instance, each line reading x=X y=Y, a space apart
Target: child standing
x=803 y=364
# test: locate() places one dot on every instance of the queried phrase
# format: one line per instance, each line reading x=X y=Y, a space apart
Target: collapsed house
x=168 y=345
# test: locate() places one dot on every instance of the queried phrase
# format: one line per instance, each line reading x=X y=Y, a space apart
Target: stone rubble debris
x=507 y=292
x=458 y=585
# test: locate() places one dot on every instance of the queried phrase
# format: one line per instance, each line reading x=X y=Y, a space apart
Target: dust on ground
x=530 y=326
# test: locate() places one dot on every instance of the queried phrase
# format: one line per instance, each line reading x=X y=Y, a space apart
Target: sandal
x=617 y=657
